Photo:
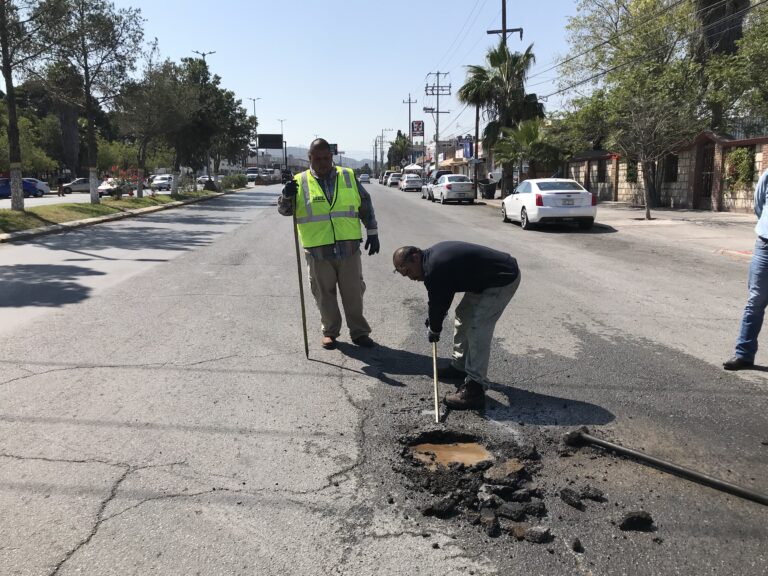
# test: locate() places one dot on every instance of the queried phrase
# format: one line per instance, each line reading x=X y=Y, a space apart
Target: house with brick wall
x=697 y=176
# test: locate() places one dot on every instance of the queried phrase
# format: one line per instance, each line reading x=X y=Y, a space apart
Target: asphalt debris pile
x=491 y=486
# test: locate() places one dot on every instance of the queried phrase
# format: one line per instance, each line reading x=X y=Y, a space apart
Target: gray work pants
x=476 y=317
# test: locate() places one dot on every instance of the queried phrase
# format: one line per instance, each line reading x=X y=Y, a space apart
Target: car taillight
x=594 y=199
x=539 y=200
x=448 y=186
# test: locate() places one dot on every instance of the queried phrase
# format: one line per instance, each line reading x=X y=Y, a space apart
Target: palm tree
x=519 y=144
x=476 y=91
x=499 y=87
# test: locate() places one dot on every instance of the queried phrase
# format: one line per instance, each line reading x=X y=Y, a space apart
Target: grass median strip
x=40 y=216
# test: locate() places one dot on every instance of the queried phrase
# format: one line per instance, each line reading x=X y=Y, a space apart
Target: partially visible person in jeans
x=330 y=205
x=752 y=321
x=489 y=279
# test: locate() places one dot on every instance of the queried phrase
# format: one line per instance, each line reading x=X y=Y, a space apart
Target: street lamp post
x=255 y=128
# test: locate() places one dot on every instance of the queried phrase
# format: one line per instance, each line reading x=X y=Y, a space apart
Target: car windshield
x=457 y=179
x=552 y=186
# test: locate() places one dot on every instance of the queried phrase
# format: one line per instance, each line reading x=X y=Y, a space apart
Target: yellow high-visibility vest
x=321 y=223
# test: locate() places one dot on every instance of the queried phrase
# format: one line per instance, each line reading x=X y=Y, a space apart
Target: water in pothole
x=466 y=453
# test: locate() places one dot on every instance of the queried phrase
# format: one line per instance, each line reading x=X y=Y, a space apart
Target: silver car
x=453 y=187
x=77 y=185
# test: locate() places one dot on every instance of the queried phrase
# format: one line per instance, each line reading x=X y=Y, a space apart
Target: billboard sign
x=417 y=128
x=270 y=141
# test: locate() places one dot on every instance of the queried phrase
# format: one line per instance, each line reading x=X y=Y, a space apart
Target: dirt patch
x=490 y=485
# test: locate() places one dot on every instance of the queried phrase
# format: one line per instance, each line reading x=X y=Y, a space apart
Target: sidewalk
x=729 y=233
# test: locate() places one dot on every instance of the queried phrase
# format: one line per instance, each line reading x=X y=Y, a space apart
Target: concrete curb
x=67 y=226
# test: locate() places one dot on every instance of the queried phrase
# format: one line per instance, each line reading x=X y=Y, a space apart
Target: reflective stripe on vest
x=321 y=223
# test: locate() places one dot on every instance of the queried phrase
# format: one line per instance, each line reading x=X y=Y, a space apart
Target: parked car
x=77 y=185
x=251 y=174
x=162 y=182
x=453 y=187
x=365 y=178
x=29 y=188
x=385 y=176
x=410 y=182
x=394 y=179
x=42 y=187
x=111 y=186
x=543 y=200
x=434 y=176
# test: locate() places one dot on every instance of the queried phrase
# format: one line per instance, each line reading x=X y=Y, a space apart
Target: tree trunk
x=649 y=188
x=14 y=148
x=142 y=160
x=91 y=141
x=70 y=138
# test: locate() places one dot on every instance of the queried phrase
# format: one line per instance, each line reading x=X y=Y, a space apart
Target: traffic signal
x=334 y=149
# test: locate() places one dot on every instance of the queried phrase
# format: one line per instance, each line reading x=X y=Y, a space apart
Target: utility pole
x=410 y=127
x=207 y=152
x=255 y=128
x=381 y=150
x=375 y=157
x=437 y=90
x=504 y=30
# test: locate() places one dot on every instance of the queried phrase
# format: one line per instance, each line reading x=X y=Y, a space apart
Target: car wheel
x=431 y=197
x=504 y=217
x=586 y=224
x=67 y=190
x=442 y=198
x=525 y=224
x=40 y=194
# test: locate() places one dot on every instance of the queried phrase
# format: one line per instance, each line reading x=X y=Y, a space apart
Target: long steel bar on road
x=583 y=437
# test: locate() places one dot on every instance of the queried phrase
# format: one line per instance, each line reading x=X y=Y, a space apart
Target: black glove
x=372 y=245
x=433 y=336
x=290 y=189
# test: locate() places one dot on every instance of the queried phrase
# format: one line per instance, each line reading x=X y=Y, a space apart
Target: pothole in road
x=489 y=485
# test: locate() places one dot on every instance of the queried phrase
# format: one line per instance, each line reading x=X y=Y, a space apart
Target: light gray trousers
x=347 y=274
x=476 y=317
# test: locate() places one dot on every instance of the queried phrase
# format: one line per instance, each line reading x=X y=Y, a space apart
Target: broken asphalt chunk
x=571 y=497
x=639 y=521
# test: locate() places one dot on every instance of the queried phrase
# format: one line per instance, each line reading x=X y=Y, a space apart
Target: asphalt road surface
x=158 y=415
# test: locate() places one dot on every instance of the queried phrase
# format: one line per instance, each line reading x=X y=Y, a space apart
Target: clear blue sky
x=341 y=70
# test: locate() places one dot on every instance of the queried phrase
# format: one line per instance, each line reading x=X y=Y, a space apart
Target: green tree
x=644 y=61
x=235 y=128
x=22 y=42
x=398 y=150
x=103 y=45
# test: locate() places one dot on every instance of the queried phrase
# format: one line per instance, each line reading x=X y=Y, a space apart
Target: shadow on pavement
x=384 y=362
x=542 y=410
x=42 y=285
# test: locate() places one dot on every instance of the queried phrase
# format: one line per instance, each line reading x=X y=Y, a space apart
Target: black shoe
x=737 y=363
x=450 y=372
x=329 y=342
x=364 y=341
x=470 y=396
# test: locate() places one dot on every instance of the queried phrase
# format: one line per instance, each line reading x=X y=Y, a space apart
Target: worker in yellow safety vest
x=329 y=204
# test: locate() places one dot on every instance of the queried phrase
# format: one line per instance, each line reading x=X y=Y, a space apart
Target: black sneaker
x=737 y=363
x=450 y=372
x=470 y=396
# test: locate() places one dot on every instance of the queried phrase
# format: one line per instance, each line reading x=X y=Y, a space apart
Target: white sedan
x=453 y=187
x=545 y=200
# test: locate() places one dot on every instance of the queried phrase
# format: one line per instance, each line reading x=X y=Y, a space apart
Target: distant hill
x=298 y=152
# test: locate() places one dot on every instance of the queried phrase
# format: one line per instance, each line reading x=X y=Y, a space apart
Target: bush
x=233 y=181
x=740 y=168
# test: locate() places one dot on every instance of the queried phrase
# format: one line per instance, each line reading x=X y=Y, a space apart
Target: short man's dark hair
x=319 y=144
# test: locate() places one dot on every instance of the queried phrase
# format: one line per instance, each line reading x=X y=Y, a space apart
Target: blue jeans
x=752 y=321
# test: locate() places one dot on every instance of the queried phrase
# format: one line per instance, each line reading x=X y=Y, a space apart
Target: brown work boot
x=469 y=396
x=364 y=341
x=329 y=342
